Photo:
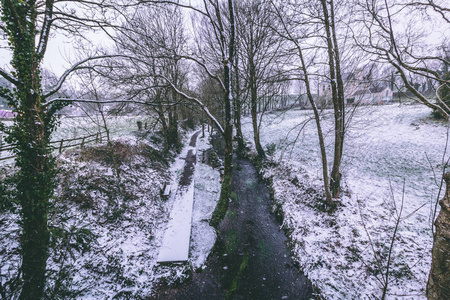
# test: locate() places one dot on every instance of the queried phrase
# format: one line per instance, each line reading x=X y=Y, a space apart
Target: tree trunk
x=222 y=206
x=307 y=81
x=203 y=125
x=335 y=173
x=173 y=137
x=323 y=151
x=337 y=92
x=108 y=140
x=254 y=103
x=438 y=286
x=35 y=187
x=238 y=125
x=35 y=184
x=165 y=127
x=31 y=134
x=237 y=109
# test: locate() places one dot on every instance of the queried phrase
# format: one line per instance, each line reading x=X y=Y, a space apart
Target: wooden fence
x=59 y=145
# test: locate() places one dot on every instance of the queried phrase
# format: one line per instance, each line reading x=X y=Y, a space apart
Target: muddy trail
x=189 y=167
x=250 y=259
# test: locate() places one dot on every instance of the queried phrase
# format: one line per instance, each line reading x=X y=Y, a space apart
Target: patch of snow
x=206 y=196
x=126 y=228
x=386 y=148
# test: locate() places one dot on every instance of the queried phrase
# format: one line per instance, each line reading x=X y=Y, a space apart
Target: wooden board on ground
x=175 y=246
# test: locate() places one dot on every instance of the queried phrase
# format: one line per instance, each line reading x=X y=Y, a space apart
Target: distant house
x=6 y=114
x=373 y=95
x=324 y=88
x=381 y=94
x=358 y=89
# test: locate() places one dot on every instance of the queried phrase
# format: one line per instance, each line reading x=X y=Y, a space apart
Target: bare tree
x=380 y=35
x=261 y=57
x=438 y=286
x=93 y=86
x=225 y=41
x=337 y=91
x=290 y=31
x=219 y=19
x=152 y=45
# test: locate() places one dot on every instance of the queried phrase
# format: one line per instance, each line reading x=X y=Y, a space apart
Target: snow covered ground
x=78 y=127
x=388 y=149
x=73 y=127
x=106 y=233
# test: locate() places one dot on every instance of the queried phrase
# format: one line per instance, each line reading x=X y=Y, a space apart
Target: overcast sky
x=60 y=50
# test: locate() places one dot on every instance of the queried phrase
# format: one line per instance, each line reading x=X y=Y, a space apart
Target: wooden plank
x=167 y=190
x=175 y=246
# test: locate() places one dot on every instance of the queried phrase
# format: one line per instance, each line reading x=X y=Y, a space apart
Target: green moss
x=251 y=184
x=222 y=206
x=237 y=279
x=262 y=251
x=232 y=214
x=232 y=241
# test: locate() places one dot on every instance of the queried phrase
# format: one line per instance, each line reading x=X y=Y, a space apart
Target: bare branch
x=8 y=77
x=77 y=66
x=205 y=67
x=106 y=101
x=45 y=32
x=198 y=102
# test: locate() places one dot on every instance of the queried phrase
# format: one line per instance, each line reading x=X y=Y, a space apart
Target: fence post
x=1 y=142
x=61 y=146
x=82 y=142
x=96 y=138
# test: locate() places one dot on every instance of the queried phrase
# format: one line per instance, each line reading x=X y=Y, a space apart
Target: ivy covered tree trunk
x=173 y=139
x=238 y=125
x=254 y=103
x=439 y=280
x=31 y=134
x=222 y=206
x=444 y=90
x=237 y=107
x=35 y=187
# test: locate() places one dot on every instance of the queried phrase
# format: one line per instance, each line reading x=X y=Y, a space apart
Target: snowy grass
x=106 y=233
x=123 y=215
x=387 y=149
x=74 y=127
x=78 y=127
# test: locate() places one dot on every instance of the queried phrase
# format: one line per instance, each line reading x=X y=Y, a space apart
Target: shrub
x=271 y=148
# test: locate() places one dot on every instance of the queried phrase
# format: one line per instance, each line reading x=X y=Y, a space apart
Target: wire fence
x=59 y=145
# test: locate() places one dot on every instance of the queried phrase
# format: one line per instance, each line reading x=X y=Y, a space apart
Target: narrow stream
x=250 y=259
x=259 y=263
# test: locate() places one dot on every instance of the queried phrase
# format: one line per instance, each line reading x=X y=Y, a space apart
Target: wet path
x=250 y=259
x=189 y=167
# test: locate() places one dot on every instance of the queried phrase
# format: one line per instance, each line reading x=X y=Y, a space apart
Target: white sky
x=59 y=53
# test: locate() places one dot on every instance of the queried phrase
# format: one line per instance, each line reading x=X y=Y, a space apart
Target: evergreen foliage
x=30 y=133
x=444 y=89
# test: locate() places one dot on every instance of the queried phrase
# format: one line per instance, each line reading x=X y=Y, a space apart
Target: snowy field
x=73 y=127
x=387 y=149
x=107 y=234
